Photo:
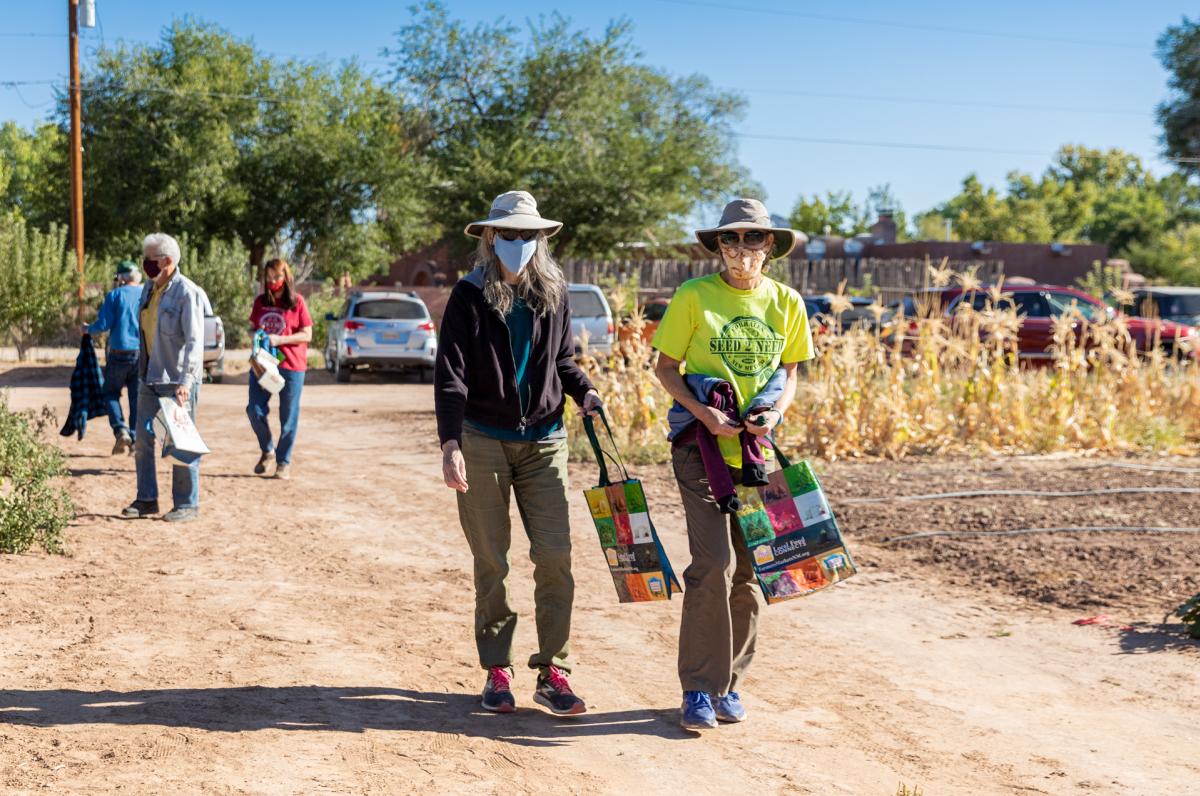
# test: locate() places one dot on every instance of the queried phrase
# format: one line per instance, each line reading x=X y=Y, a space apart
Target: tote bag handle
x=590 y=427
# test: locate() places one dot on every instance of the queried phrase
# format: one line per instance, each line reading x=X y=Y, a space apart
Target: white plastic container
x=271 y=380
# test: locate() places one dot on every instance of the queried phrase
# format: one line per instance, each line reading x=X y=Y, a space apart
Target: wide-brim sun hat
x=514 y=210
x=743 y=214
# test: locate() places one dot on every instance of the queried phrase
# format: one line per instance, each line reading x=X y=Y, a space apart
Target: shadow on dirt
x=37 y=376
x=1157 y=638
x=324 y=708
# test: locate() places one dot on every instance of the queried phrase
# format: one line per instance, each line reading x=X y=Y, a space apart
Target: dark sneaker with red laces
x=554 y=692
x=497 y=691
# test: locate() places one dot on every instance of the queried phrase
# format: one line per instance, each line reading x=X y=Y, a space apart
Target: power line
x=923 y=146
x=932 y=101
x=903 y=25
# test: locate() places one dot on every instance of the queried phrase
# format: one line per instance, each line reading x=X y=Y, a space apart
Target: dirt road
x=313 y=636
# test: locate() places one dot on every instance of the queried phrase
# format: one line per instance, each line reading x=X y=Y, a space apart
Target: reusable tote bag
x=791 y=533
x=636 y=559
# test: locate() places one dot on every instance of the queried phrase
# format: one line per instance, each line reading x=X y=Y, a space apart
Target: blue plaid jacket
x=87 y=391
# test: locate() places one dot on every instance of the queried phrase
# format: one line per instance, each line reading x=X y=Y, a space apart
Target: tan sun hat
x=514 y=210
x=750 y=214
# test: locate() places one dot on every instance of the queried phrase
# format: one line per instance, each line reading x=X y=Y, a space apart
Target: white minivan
x=591 y=320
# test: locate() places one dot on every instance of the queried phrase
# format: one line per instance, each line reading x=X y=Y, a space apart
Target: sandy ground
x=313 y=636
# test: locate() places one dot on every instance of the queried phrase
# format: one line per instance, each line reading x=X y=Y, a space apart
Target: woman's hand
x=718 y=423
x=275 y=340
x=591 y=404
x=763 y=422
x=454 y=467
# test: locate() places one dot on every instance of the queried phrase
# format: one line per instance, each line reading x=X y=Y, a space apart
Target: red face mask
x=275 y=284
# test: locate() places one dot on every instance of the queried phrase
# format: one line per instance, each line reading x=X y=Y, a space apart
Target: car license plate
x=398 y=338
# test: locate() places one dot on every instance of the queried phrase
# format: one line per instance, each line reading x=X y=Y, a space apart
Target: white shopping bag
x=182 y=436
x=270 y=379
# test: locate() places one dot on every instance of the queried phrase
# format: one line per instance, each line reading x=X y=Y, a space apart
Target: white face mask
x=515 y=254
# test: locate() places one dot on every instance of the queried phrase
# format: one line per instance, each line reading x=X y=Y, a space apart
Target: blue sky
x=914 y=73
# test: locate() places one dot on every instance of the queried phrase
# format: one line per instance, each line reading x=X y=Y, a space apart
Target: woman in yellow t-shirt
x=739 y=326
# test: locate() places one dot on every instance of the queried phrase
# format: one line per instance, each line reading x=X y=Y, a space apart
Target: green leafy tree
x=33 y=173
x=1179 y=52
x=202 y=134
x=838 y=212
x=1085 y=195
x=835 y=211
x=36 y=277
x=222 y=269
x=616 y=149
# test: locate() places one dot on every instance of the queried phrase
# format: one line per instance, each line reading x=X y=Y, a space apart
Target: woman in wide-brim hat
x=741 y=327
x=505 y=362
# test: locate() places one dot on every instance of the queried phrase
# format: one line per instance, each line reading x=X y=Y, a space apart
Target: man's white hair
x=130 y=277
x=161 y=244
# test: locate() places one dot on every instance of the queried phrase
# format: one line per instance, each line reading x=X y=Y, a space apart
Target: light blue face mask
x=515 y=254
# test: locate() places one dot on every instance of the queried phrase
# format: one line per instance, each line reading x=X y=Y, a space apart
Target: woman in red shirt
x=280 y=312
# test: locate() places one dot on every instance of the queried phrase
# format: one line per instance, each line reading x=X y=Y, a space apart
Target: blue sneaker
x=730 y=708
x=697 y=711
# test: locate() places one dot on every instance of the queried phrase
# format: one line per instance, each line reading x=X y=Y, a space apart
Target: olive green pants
x=537 y=474
x=719 y=628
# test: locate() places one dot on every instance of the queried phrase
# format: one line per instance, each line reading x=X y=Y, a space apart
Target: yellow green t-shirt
x=740 y=336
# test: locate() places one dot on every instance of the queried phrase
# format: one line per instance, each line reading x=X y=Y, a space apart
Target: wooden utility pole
x=76 y=151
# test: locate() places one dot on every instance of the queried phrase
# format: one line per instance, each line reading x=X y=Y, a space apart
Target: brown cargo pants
x=537 y=473
x=720 y=605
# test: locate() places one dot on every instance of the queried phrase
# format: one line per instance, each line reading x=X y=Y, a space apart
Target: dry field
x=313 y=636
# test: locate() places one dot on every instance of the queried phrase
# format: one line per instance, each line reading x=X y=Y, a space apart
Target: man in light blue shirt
x=118 y=316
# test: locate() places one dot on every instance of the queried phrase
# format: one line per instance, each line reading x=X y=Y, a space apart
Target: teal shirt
x=520 y=335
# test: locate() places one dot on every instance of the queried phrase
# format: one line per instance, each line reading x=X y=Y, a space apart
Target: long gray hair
x=540 y=282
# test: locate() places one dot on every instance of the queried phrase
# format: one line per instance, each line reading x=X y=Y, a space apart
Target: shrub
x=1189 y=612
x=36 y=278
x=223 y=270
x=319 y=303
x=33 y=511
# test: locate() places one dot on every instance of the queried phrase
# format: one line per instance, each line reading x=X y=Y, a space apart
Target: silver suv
x=591 y=320
x=381 y=330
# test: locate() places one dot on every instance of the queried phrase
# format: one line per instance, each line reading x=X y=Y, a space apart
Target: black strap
x=784 y=463
x=590 y=427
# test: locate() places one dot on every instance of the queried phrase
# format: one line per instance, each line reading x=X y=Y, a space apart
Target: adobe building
x=1051 y=263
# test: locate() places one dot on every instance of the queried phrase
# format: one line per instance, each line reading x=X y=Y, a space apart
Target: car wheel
x=216 y=374
x=341 y=372
x=330 y=355
x=425 y=374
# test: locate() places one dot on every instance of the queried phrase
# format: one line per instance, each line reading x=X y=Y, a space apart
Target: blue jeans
x=120 y=370
x=185 y=478
x=258 y=410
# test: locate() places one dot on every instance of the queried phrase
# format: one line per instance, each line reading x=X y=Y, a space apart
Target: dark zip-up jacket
x=475 y=377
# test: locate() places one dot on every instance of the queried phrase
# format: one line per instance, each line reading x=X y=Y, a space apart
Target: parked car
x=214 y=343
x=821 y=318
x=591 y=320
x=380 y=330
x=1039 y=306
x=214 y=348
x=652 y=314
x=1177 y=304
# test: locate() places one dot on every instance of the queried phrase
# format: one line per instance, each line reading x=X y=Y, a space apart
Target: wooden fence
x=891 y=278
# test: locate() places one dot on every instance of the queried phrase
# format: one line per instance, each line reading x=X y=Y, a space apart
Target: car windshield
x=1179 y=306
x=1061 y=303
x=654 y=312
x=586 y=304
x=390 y=310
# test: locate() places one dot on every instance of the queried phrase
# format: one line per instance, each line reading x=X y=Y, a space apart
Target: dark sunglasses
x=752 y=238
x=513 y=234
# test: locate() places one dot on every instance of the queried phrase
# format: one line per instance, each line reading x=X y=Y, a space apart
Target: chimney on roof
x=884 y=230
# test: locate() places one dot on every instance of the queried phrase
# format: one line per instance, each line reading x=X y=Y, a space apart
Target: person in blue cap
x=118 y=316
